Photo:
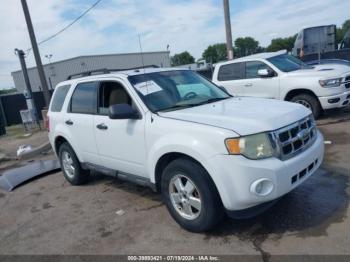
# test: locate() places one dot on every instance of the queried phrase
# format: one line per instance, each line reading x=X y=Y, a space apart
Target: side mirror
x=123 y=111
x=265 y=73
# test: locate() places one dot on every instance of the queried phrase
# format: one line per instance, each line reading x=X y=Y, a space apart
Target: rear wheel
x=191 y=196
x=309 y=102
x=70 y=165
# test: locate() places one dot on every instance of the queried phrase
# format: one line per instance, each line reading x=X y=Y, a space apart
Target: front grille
x=347 y=82
x=295 y=138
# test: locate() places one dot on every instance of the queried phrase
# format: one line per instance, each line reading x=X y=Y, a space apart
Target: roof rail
x=106 y=71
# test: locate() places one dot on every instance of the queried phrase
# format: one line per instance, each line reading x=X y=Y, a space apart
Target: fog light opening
x=262 y=187
x=333 y=100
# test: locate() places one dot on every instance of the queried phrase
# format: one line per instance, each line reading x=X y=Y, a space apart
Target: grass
x=17 y=131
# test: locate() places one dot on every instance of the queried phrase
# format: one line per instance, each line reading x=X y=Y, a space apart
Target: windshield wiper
x=176 y=107
x=211 y=100
x=182 y=106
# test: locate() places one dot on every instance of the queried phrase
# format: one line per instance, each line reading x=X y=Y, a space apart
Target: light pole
x=49 y=56
x=28 y=94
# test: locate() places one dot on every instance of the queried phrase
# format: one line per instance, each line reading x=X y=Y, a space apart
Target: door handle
x=248 y=84
x=102 y=126
x=69 y=122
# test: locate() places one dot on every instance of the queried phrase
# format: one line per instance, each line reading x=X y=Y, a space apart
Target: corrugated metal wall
x=59 y=71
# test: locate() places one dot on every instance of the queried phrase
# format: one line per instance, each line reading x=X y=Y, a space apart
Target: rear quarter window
x=233 y=71
x=58 y=98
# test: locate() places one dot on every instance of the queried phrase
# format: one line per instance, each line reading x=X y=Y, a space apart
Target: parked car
x=281 y=76
x=173 y=130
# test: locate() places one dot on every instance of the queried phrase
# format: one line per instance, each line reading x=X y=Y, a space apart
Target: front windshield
x=172 y=90
x=287 y=63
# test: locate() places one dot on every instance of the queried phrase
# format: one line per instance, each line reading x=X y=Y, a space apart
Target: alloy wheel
x=67 y=163
x=185 y=197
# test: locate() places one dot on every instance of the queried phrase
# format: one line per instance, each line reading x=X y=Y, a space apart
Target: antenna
x=143 y=65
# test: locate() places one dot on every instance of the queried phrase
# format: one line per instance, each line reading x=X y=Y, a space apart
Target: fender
x=286 y=93
x=185 y=144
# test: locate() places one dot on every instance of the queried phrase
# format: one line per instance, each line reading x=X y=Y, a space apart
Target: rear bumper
x=235 y=175
x=335 y=101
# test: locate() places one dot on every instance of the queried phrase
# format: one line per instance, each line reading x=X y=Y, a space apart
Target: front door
x=256 y=86
x=120 y=142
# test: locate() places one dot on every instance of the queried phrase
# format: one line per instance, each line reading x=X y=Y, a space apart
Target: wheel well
x=295 y=92
x=164 y=161
x=58 y=142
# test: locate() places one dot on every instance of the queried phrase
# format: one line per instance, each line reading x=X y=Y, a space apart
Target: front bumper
x=234 y=175
x=335 y=101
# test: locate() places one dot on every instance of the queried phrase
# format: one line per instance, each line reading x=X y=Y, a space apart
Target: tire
x=75 y=174
x=310 y=102
x=211 y=209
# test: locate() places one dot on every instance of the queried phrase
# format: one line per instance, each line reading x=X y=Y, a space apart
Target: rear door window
x=58 y=98
x=84 y=98
x=233 y=71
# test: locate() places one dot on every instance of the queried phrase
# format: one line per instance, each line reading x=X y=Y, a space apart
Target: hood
x=323 y=71
x=243 y=115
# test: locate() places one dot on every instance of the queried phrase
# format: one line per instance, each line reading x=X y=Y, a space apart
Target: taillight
x=47 y=123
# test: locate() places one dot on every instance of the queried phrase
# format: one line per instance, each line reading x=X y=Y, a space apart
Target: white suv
x=175 y=131
x=282 y=76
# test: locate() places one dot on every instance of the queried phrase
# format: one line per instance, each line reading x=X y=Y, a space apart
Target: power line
x=67 y=26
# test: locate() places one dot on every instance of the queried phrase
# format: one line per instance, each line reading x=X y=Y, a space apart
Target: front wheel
x=191 y=196
x=309 y=102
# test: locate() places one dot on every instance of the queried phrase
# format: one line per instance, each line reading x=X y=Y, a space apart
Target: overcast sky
x=113 y=26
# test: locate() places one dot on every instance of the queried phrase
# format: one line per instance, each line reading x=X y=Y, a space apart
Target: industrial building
x=59 y=71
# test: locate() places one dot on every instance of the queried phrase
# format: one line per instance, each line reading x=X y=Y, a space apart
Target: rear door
x=79 y=120
x=231 y=76
x=256 y=86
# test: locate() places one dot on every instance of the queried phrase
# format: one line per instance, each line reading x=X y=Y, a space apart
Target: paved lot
x=48 y=216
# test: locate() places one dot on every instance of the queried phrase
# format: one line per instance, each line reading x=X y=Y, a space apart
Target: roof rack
x=106 y=71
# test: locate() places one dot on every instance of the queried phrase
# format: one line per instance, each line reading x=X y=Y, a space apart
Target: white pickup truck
x=281 y=76
x=181 y=135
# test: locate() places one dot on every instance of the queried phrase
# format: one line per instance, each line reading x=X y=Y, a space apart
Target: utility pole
x=28 y=91
x=35 y=48
x=228 y=30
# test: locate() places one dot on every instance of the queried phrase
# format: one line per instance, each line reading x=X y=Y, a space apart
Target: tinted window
x=84 y=99
x=231 y=72
x=252 y=68
x=58 y=98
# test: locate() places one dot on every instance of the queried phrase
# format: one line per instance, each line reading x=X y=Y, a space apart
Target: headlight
x=332 y=82
x=257 y=146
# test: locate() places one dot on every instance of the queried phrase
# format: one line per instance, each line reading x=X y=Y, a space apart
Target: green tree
x=341 y=31
x=8 y=91
x=281 y=43
x=183 y=58
x=215 y=53
x=245 y=46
